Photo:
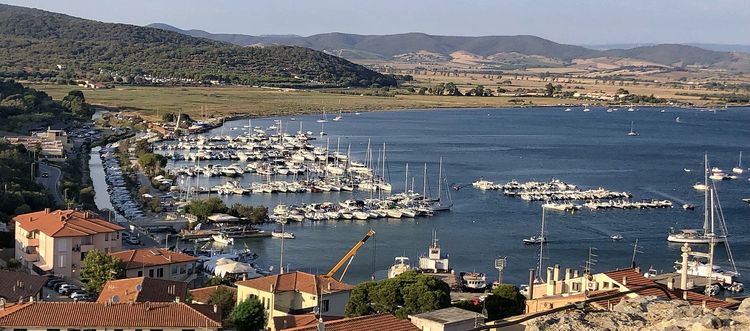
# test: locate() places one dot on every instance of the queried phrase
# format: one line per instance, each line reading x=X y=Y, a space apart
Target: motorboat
x=534 y=240
x=700 y=186
x=400 y=265
x=285 y=235
x=632 y=132
x=616 y=237
x=223 y=238
x=738 y=169
x=688 y=206
x=473 y=281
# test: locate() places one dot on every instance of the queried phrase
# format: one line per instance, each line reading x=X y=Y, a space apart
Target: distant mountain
x=523 y=49
x=710 y=47
x=38 y=43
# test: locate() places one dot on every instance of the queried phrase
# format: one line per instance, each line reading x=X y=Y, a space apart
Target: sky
x=582 y=22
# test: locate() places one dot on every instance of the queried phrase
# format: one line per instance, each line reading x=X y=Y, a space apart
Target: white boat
x=701 y=269
x=285 y=235
x=586 y=110
x=632 y=132
x=323 y=119
x=687 y=170
x=677 y=120
x=567 y=110
x=222 y=238
x=705 y=235
x=339 y=117
x=473 y=281
x=631 y=109
x=400 y=265
x=616 y=237
x=738 y=169
x=700 y=186
x=537 y=240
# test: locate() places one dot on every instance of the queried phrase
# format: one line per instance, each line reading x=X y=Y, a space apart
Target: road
x=51 y=183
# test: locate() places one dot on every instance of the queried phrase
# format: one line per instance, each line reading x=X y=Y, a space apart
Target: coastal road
x=52 y=182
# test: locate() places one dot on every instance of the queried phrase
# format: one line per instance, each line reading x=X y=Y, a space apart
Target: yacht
x=473 y=281
x=222 y=238
x=400 y=265
x=616 y=237
x=632 y=132
x=700 y=186
x=285 y=235
x=738 y=169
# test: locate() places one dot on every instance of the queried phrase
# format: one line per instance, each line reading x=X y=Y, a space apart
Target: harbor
x=495 y=223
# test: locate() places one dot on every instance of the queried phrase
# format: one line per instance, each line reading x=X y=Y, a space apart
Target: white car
x=67 y=288
x=80 y=295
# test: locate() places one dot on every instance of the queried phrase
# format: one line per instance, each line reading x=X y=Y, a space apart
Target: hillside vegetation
x=41 y=44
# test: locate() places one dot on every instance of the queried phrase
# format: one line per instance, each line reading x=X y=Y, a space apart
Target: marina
x=316 y=216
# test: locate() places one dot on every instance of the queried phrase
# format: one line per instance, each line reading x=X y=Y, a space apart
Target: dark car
x=53 y=281
x=45 y=175
x=56 y=287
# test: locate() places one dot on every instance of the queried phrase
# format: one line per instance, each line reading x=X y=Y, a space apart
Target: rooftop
x=66 y=223
x=370 y=322
x=448 y=315
x=142 y=289
x=296 y=281
x=147 y=315
x=143 y=257
x=201 y=295
x=15 y=285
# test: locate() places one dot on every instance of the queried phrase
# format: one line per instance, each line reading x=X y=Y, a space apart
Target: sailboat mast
x=424 y=182
x=705 y=194
x=383 y=170
x=406 y=179
x=440 y=178
x=541 y=247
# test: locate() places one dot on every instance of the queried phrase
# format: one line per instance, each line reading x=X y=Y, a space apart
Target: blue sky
x=576 y=22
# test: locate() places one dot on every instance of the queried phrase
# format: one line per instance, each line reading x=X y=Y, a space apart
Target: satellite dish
x=115 y=299
x=139 y=287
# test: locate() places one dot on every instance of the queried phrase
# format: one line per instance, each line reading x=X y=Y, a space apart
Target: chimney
x=532 y=277
x=557 y=273
x=624 y=281
x=638 y=269
x=216 y=309
x=670 y=283
x=549 y=276
x=244 y=276
x=684 y=295
x=177 y=299
x=567 y=273
x=575 y=273
x=148 y=307
x=46 y=211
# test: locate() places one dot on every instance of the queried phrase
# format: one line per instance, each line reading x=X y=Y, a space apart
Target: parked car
x=79 y=295
x=45 y=175
x=57 y=286
x=68 y=288
x=133 y=241
x=53 y=281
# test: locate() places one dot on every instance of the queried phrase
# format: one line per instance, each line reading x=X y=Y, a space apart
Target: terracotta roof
x=15 y=285
x=65 y=223
x=296 y=281
x=151 y=289
x=364 y=323
x=697 y=299
x=201 y=295
x=145 y=257
x=296 y=321
x=98 y=315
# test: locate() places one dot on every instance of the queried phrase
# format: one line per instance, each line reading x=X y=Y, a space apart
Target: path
x=52 y=182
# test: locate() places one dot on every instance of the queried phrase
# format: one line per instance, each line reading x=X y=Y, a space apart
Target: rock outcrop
x=647 y=313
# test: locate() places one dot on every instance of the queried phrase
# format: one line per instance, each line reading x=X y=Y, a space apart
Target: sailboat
x=632 y=132
x=738 y=169
x=534 y=240
x=322 y=132
x=705 y=235
x=339 y=117
x=439 y=205
x=324 y=119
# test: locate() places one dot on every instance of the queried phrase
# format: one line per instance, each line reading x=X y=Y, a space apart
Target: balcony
x=30 y=255
x=34 y=242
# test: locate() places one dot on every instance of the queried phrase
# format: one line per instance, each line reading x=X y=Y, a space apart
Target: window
x=182 y=269
x=325 y=305
x=62 y=245
x=160 y=272
x=140 y=273
x=83 y=255
x=174 y=269
x=106 y=237
x=61 y=261
x=151 y=273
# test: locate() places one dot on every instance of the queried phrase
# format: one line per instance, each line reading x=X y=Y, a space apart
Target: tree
x=98 y=268
x=76 y=103
x=550 y=89
x=250 y=214
x=248 y=315
x=510 y=301
x=168 y=117
x=223 y=298
x=216 y=280
x=408 y=293
x=204 y=208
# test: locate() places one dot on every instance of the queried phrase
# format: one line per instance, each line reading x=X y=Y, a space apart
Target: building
x=561 y=290
x=447 y=319
x=15 y=286
x=166 y=316
x=158 y=263
x=370 y=322
x=57 y=241
x=203 y=294
x=142 y=289
x=296 y=293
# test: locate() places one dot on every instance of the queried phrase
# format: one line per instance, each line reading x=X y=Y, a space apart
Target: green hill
x=34 y=42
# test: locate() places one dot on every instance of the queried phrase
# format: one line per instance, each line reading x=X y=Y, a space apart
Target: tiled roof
x=697 y=299
x=98 y=315
x=65 y=223
x=364 y=323
x=142 y=289
x=295 y=321
x=15 y=285
x=145 y=257
x=201 y=295
x=296 y=281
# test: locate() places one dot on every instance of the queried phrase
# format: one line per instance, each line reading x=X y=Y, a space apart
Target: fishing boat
x=435 y=261
x=285 y=235
x=616 y=237
x=473 y=281
x=707 y=234
x=632 y=132
x=738 y=169
x=222 y=238
x=400 y=265
x=537 y=240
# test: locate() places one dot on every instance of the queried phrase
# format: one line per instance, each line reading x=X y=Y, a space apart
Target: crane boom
x=349 y=255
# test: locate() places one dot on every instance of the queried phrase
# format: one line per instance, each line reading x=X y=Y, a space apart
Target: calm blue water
x=588 y=149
